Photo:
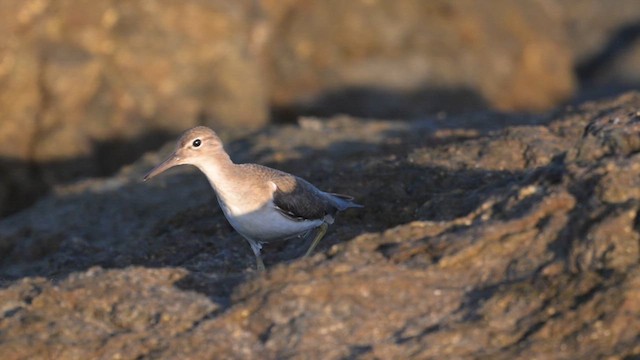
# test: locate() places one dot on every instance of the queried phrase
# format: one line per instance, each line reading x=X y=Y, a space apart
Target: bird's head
x=194 y=147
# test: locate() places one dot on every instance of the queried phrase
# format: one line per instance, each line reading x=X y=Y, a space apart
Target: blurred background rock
x=87 y=86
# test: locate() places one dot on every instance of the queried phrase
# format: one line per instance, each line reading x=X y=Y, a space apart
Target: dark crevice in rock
x=358 y=351
x=402 y=339
x=584 y=298
x=264 y=336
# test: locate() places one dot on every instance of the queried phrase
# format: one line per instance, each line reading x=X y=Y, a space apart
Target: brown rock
x=603 y=39
x=86 y=314
x=88 y=87
x=457 y=253
x=389 y=59
x=84 y=84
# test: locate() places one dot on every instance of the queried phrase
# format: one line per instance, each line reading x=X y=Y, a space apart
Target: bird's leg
x=259 y=263
x=256 y=247
x=322 y=230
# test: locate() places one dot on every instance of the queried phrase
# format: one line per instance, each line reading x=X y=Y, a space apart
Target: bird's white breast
x=266 y=223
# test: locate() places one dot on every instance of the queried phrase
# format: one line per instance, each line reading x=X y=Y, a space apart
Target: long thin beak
x=170 y=162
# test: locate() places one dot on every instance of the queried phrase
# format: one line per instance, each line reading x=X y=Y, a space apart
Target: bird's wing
x=297 y=199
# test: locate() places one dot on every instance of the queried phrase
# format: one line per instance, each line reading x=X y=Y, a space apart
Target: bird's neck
x=220 y=171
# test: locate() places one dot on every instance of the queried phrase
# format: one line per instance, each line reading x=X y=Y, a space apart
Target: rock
x=512 y=242
x=401 y=59
x=140 y=319
x=590 y=32
x=89 y=87
x=605 y=41
x=86 y=88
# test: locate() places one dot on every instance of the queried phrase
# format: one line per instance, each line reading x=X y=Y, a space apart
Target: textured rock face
x=86 y=87
x=515 y=240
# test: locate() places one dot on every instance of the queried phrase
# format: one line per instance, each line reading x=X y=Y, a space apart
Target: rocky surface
x=86 y=88
x=483 y=236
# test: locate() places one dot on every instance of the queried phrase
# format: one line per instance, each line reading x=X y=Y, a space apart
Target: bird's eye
x=197 y=143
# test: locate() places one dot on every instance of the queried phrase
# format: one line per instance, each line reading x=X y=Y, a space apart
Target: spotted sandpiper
x=262 y=204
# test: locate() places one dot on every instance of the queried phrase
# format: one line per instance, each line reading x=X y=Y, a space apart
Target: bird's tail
x=342 y=202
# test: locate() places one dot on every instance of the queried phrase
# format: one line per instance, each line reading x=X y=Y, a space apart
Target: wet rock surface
x=504 y=239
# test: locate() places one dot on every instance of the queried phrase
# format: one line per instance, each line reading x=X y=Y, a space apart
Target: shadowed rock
x=520 y=242
x=77 y=79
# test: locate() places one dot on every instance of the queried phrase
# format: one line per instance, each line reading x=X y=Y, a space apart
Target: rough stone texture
x=86 y=87
x=117 y=324
x=515 y=241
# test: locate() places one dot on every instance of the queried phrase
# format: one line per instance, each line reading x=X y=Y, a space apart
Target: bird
x=262 y=204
